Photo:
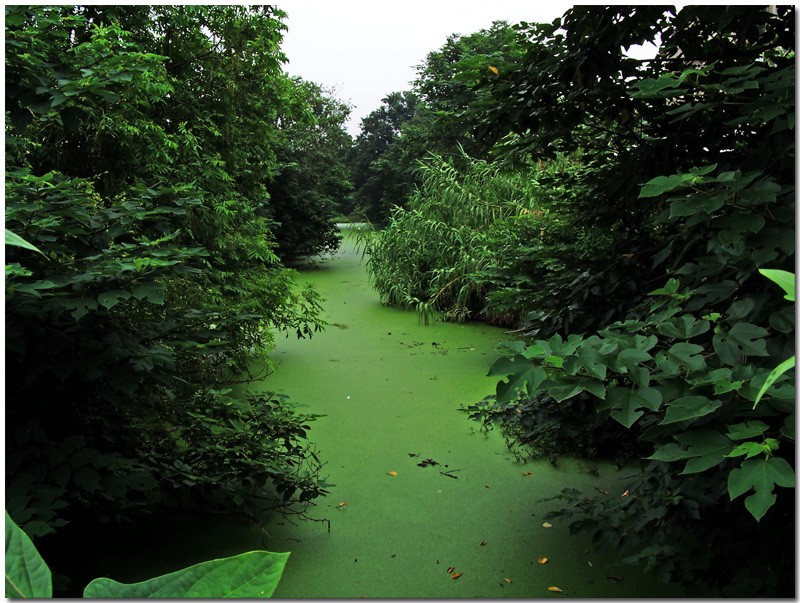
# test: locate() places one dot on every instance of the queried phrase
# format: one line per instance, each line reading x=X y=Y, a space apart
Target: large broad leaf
x=761 y=476
x=252 y=575
x=522 y=374
x=689 y=407
x=706 y=448
x=684 y=327
x=27 y=575
x=625 y=403
x=688 y=354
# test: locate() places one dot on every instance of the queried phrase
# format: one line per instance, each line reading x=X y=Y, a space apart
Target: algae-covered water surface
x=424 y=504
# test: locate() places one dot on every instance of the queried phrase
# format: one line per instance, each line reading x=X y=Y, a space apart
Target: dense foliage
x=142 y=147
x=313 y=183
x=433 y=117
x=658 y=189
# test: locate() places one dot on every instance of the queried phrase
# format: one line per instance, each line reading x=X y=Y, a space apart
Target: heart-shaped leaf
x=252 y=575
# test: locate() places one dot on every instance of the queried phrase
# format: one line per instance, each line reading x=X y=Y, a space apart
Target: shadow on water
x=420 y=494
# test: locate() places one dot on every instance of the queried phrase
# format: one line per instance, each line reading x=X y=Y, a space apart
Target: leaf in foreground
x=250 y=575
x=27 y=575
x=761 y=476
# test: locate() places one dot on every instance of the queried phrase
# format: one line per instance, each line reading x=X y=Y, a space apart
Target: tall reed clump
x=431 y=252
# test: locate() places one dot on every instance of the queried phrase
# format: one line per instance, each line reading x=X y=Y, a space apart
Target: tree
x=139 y=149
x=377 y=186
x=313 y=181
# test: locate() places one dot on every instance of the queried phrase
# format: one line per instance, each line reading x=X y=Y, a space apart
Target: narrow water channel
x=419 y=490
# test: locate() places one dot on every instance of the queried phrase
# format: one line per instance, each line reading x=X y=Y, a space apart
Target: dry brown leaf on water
x=542 y=560
x=342 y=504
x=527 y=474
x=393 y=473
x=450 y=569
x=547 y=524
x=494 y=70
x=626 y=493
x=455 y=576
x=507 y=580
x=484 y=543
x=554 y=589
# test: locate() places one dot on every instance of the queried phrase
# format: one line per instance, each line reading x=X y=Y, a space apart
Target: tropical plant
x=249 y=575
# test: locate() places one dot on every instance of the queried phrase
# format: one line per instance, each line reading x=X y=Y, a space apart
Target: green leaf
x=27 y=575
x=522 y=374
x=15 y=240
x=593 y=361
x=761 y=476
x=706 y=448
x=786 y=280
x=669 y=453
x=689 y=407
x=749 y=429
x=80 y=306
x=743 y=339
x=779 y=370
x=252 y=575
x=689 y=355
x=152 y=292
x=625 y=403
x=109 y=299
x=684 y=327
x=750 y=449
x=660 y=185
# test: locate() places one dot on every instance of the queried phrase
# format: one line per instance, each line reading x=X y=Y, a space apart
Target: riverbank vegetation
x=614 y=212
x=618 y=221
x=151 y=158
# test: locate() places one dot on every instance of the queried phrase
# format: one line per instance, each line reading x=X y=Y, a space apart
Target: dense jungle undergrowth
x=617 y=213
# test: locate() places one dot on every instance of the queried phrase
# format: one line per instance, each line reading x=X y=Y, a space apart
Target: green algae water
x=424 y=504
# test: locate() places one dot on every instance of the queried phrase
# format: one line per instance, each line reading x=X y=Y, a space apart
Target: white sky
x=367 y=49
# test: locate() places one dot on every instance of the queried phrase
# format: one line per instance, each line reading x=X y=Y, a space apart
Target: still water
x=390 y=389
x=424 y=504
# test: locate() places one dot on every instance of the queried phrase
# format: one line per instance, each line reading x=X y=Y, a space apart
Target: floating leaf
x=455 y=576
x=342 y=504
x=451 y=569
x=527 y=474
x=484 y=543
x=542 y=560
x=547 y=525
x=392 y=473
x=507 y=580
x=554 y=589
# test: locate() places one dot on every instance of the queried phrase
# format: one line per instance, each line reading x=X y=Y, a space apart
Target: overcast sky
x=367 y=49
